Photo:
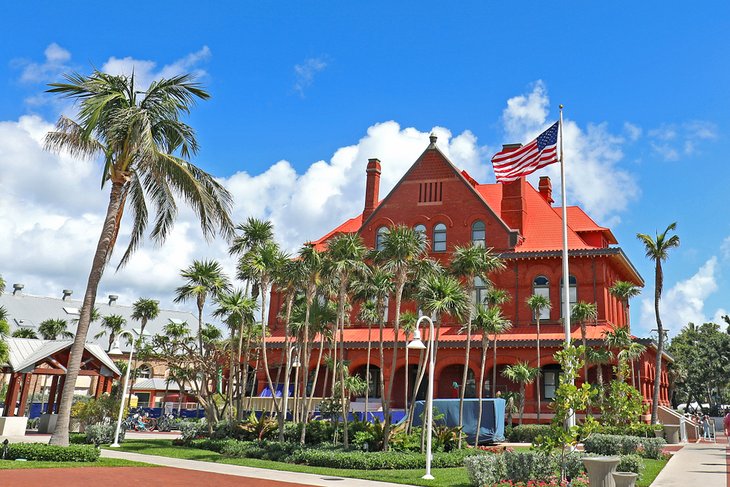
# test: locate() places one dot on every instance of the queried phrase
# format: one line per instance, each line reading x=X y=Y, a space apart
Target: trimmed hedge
x=266 y=450
x=624 y=445
x=52 y=453
x=390 y=460
x=527 y=432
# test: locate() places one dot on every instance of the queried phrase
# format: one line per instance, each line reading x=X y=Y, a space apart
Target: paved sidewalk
x=248 y=472
x=697 y=465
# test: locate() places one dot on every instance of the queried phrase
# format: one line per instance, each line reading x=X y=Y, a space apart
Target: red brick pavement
x=127 y=477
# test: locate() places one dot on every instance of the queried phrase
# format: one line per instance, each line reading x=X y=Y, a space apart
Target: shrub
x=265 y=450
x=389 y=460
x=634 y=429
x=191 y=430
x=630 y=463
x=652 y=447
x=91 y=411
x=574 y=467
x=102 y=433
x=319 y=431
x=527 y=432
x=208 y=444
x=485 y=470
x=52 y=453
x=611 y=444
x=522 y=466
x=77 y=438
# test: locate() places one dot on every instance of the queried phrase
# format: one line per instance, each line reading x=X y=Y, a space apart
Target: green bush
x=390 y=460
x=209 y=444
x=611 y=444
x=522 y=466
x=77 y=438
x=635 y=429
x=630 y=463
x=191 y=430
x=485 y=470
x=265 y=450
x=574 y=466
x=89 y=410
x=52 y=453
x=527 y=433
x=102 y=434
x=652 y=447
x=319 y=431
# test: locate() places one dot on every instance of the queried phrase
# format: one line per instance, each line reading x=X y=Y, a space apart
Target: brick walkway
x=128 y=476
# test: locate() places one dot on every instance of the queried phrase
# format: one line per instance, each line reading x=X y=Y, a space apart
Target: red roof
x=580 y=222
x=451 y=334
x=350 y=226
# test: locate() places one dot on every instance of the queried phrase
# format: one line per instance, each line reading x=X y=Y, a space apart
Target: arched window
x=480 y=291
x=541 y=286
x=572 y=292
x=478 y=233
x=379 y=237
x=439 y=238
x=144 y=372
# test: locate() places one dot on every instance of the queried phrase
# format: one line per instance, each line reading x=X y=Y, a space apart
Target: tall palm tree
x=145 y=148
x=54 y=329
x=235 y=308
x=402 y=247
x=143 y=310
x=633 y=353
x=521 y=373
x=496 y=297
x=599 y=357
x=486 y=320
x=263 y=263
x=253 y=233
x=657 y=249
x=345 y=259
x=113 y=326
x=624 y=291
x=470 y=263
x=538 y=303
x=583 y=313
x=25 y=333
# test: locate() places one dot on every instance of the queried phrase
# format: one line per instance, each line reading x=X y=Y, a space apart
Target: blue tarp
x=278 y=389
x=492 y=417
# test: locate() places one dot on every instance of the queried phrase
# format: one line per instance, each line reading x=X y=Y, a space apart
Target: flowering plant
x=581 y=481
x=496 y=449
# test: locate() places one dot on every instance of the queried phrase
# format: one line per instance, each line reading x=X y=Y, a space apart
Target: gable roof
x=580 y=222
x=350 y=226
x=27 y=352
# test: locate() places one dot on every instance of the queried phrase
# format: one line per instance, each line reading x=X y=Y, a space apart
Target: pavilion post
x=59 y=392
x=24 y=394
x=108 y=386
x=12 y=396
x=52 y=395
x=99 y=390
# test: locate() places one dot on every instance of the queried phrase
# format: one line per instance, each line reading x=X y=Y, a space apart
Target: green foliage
x=622 y=406
x=103 y=434
x=51 y=453
x=89 y=410
x=522 y=466
x=379 y=460
x=635 y=429
x=191 y=430
x=264 y=450
x=484 y=470
x=602 y=444
x=527 y=433
x=630 y=463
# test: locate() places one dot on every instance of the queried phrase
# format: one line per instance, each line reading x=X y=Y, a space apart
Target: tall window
x=421 y=229
x=386 y=303
x=550 y=376
x=439 y=238
x=478 y=233
x=480 y=291
x=379 y=237
x=541 y=286
x=572 y=293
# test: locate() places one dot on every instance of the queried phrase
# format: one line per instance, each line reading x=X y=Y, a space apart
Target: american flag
x=510 y=165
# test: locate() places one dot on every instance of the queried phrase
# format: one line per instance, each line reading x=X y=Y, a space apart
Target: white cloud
x=633 y=132
x=684 y=302
x=146 y=71
x=725 y=248
x=305 y=73
x=56 y=60
x=593 y=154
x=674 y=141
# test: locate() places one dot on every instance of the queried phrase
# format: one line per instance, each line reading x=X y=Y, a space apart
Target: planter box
x=13 y=425
x=47 y=423
x=624 y=479
x=671 y=433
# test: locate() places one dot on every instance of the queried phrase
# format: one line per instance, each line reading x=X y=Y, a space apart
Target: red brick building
x=521 y=224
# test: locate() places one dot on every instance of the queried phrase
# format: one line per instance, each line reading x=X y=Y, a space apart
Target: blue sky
x=293 y=83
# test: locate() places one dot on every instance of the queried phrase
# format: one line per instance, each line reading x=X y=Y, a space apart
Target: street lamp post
x=293 y=365
x=116 y=349
x=417 y=344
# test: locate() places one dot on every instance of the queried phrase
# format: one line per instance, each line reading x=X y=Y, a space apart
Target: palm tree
x=2 y=285
x=521 y=373
x=345 y=258
x=496 y=297
x=657 y=249
x=143 y=310
x=538 y=303
x=253 y=233
x=113 y=325
x=582 y=313
x=263 y=263
x=624 y=291
x=235 y=308
x=25 y=333
x=470 y=263
x=402 y=247
x=53 y=329
x=486 y=320
x=407 y=325
x=145 y=149
x=599 y=357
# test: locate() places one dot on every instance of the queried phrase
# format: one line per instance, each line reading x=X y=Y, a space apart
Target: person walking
x=706 y=427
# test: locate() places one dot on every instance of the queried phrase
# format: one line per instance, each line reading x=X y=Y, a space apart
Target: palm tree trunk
x=539 y=372
x=304 y=365
x=314 y=381
x=659 y=280
x=345 y=400
x=231 y=375
x=522 y=400
x=253 y=382
x=494 y=366
x=405 y=398
x=394 y=359
x=416 y=386
x=465 y=373
x=585 y=352
x=367 y=370
x=264 y=323
x=383 y=401
x=103 y=249
x=287 y=366
x=485 y=347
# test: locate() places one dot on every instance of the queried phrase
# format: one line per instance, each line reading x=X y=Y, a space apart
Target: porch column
x=108 y=385
x=99 y=386
x=52 y=395
x=24 y=394
x=12 y=395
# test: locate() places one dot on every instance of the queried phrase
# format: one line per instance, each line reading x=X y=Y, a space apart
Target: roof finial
x=433 y=139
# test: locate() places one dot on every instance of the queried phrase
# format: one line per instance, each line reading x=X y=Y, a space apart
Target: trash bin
x=671 y=433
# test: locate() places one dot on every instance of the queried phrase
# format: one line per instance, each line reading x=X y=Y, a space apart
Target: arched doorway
x=449 y=382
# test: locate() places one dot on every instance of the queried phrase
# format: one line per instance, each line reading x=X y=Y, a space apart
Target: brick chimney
x=514 y=211
x=372 y=188
x=546 y=189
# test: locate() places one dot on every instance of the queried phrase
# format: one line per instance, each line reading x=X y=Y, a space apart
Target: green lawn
x=102 y=462
x=447 y=477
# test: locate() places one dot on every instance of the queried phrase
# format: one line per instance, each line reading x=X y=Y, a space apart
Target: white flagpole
x=566 y=272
